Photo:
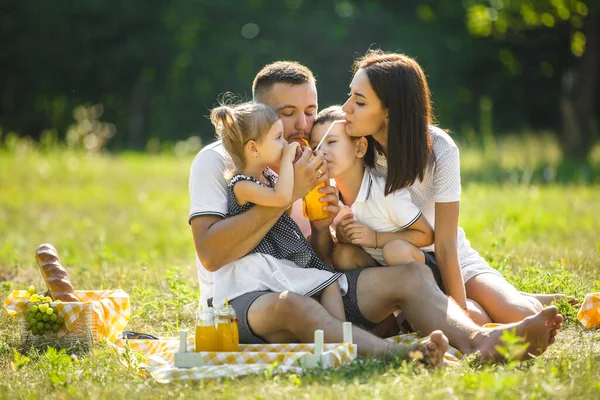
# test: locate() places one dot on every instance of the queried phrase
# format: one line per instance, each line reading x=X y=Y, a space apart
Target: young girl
x=252 y=134
x=370 y=219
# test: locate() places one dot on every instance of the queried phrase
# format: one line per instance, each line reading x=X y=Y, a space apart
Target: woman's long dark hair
x=400 y=84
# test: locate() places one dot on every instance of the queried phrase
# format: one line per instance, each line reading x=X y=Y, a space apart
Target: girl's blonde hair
x=238 y=124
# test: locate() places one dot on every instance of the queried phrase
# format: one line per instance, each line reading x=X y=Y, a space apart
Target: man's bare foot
x=539 y=331
x=547 y=299
x=429 y=350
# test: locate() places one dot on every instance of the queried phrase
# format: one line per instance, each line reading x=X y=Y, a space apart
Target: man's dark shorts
x=242 y=304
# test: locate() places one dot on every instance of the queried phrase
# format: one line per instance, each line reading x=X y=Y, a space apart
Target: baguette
x=54 y=274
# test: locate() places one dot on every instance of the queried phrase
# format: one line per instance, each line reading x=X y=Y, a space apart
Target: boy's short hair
x=290 y=72
x=334 y=113
x=330 y=114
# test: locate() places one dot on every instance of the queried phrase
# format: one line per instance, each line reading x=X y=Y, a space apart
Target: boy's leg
x=399 y=252
x=331 y=300
x=348 y=256
x=501 y=301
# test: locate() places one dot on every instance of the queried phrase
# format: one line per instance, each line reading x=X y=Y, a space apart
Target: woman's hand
x=361 y=234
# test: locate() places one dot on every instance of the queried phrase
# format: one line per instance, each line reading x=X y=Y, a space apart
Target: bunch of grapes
x=42 y=316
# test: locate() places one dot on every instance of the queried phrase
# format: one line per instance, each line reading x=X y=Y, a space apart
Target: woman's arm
x=446 y=250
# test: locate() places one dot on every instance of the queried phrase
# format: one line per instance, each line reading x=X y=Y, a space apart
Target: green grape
x=31 y=289
x=34 y=309
x=27 y=314
x=45 y=317
x=43 y=307
x=47 y=326
x=53 y=317
x=56 y=328
x=39 y=317
x=49 y=311
x=34 y=331
x=40 y=325
x=60 y=320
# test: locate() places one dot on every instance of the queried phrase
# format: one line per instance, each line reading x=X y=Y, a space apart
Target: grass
x=120 y=221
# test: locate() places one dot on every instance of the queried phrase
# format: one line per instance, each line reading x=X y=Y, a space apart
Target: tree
x=524 y=22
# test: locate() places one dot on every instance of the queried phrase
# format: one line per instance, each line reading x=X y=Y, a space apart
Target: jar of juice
x=206 y=331
x=227 y=330
x=312 y=208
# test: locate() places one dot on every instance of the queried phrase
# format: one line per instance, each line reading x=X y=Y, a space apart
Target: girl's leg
x=500 y=300
x=399 y=252
x=348 y=256
x=331 y=300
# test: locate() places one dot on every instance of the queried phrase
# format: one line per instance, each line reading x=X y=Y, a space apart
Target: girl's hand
x=361 y=234
x=289 y=152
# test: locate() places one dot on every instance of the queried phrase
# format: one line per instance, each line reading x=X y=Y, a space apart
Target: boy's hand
x=330 y=198
x=341 y=231
x=361 y=234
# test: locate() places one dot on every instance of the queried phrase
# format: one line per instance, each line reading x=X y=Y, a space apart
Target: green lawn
x=120 y=221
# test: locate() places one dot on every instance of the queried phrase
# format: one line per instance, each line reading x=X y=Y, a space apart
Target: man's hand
x=361 y=234
x=330 y=197
x=309 y=171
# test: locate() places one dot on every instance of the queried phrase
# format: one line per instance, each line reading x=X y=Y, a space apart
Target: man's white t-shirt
x=208 y=196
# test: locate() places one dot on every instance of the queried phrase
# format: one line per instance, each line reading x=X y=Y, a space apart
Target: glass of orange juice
x=206 y=331
x=312 y=208
x=227 y=330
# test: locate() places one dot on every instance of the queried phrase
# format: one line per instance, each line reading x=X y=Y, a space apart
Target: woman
x=390 y=101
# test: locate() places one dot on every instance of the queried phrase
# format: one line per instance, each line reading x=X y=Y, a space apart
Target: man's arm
x=220 y=241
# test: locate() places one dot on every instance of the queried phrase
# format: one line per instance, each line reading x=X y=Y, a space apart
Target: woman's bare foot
x=539 y=331
x=547 y=299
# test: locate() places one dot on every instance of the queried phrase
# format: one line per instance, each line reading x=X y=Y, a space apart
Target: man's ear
x=361 y=147
x=252 y=149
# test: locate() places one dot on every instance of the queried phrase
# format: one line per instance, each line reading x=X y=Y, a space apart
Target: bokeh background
x=143 y=75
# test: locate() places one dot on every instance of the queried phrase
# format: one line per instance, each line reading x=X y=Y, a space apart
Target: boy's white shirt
x=392 y=213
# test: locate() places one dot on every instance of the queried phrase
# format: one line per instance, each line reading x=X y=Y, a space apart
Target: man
x=373 y=293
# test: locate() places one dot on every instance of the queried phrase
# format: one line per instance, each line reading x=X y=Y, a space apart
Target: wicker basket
x=81 y=335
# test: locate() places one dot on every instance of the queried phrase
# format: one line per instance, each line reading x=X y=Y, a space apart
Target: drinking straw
x=327 y=133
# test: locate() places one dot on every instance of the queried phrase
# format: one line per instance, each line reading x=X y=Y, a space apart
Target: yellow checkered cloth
x=159 y=358
x=589 y=313
x=111 y=307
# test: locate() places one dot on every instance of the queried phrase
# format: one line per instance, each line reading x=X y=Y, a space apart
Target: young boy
x=370 y=219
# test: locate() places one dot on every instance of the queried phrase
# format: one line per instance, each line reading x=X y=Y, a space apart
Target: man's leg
x=412 y=289
x=288 y=317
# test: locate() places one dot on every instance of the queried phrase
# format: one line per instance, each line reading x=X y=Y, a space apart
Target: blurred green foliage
x=157 y=68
